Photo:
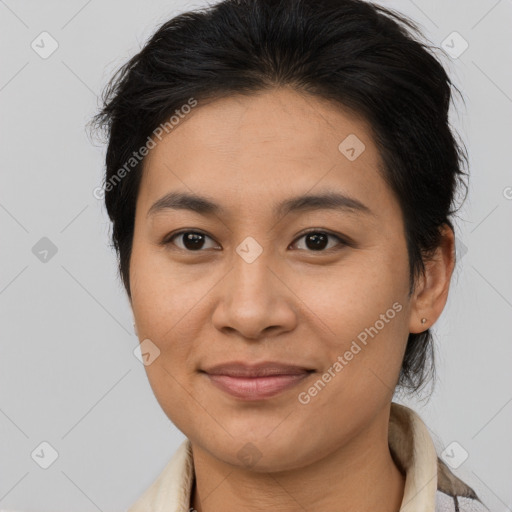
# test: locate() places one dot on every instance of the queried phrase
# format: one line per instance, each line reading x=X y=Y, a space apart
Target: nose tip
x=253 y=302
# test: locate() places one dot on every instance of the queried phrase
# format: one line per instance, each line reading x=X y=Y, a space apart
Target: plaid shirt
x=430 y=486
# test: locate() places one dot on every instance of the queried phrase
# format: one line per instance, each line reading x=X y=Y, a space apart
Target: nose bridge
x=251 y=274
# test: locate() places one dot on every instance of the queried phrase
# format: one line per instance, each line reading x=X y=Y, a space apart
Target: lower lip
x=256 y=388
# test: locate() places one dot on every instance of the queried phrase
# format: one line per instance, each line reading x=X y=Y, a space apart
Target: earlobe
x=431 y=295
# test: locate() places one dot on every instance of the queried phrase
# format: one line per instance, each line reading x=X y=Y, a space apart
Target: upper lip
x=240 y=369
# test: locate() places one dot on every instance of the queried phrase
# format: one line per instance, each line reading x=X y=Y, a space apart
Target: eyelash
x=342 y=242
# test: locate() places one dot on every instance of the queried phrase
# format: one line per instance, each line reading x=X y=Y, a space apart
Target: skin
x=292 y=304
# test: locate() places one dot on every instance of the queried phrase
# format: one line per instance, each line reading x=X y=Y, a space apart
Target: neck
x=360 y=475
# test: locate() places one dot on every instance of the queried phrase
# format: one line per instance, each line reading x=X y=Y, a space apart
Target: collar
x=410 y=445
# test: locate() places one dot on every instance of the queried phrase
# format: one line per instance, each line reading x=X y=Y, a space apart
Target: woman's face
x=250 y=286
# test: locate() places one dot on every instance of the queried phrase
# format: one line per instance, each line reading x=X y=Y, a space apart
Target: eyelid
x=342 y=239
x=167 y=239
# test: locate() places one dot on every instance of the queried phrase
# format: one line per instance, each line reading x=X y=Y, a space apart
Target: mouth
x=256 y=382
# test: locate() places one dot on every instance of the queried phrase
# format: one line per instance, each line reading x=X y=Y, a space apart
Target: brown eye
x=319 y=240
x=190 y=240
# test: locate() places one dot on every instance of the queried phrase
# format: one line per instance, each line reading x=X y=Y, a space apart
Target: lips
x=265 y=369
x=256 y=382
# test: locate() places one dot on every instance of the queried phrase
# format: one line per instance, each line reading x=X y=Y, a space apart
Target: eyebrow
x=309 y=202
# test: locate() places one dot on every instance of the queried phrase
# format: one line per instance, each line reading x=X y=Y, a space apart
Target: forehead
x=251 y=149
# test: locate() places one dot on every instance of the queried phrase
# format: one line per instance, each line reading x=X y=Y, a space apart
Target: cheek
x=361 y=310
x=163 y=305
x=354 y=295
x=162 y=294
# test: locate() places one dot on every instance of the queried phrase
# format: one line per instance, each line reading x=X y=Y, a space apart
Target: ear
x=431 y=293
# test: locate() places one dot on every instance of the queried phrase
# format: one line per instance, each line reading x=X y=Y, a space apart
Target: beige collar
x=410 y=444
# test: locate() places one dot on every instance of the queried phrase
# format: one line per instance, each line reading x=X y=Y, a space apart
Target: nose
x=255 y=300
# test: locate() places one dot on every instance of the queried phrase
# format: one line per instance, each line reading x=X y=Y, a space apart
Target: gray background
x=68 y=374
